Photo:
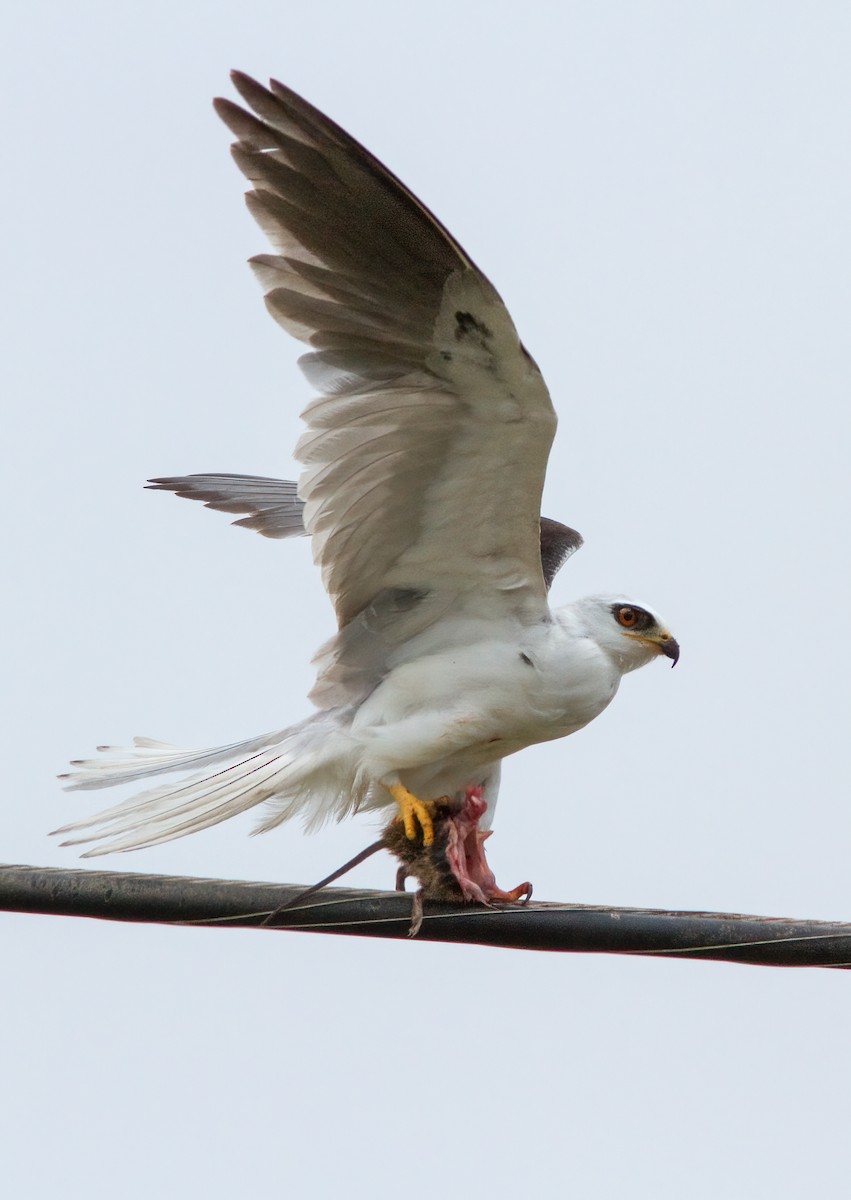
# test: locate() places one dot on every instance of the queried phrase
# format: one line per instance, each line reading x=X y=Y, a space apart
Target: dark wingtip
x=248 y=88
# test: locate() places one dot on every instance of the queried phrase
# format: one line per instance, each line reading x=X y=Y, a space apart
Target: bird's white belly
x=445 y=715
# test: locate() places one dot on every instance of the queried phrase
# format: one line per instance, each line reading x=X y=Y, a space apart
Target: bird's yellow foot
x=414 y=812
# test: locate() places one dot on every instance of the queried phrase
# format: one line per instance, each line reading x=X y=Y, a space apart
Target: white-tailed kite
x=422 y=470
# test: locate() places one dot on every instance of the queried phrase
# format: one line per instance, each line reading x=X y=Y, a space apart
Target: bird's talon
x=414 y=813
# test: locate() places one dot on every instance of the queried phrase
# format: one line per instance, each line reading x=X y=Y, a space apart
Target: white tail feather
x=307 y=769
x=147 y=757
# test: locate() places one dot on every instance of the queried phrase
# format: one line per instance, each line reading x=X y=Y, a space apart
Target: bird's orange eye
x=627 y=617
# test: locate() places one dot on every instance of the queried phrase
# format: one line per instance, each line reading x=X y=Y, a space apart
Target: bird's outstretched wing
x=424 y=457
x=274 y=509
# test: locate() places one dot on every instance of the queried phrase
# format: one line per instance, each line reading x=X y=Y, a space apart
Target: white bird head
x=632 y=633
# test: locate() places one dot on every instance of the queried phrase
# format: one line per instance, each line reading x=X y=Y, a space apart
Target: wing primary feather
x=273 y=505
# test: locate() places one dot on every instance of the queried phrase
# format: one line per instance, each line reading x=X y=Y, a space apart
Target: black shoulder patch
x=558 y=542
x=467 y=326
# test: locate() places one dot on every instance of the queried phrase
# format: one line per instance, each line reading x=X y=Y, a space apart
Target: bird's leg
x=414 y=812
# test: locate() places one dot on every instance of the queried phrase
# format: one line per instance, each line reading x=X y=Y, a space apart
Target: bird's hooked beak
x=669 y=646
x=661 y=641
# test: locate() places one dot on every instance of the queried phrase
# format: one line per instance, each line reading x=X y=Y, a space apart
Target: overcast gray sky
x=661 y=192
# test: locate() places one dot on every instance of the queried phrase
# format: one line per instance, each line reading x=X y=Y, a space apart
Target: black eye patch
x=630 y=616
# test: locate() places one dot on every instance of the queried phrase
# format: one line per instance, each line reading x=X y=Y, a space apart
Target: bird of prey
x=422 y=468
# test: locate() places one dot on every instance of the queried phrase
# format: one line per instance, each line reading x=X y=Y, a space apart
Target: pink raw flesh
x=465 y=853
